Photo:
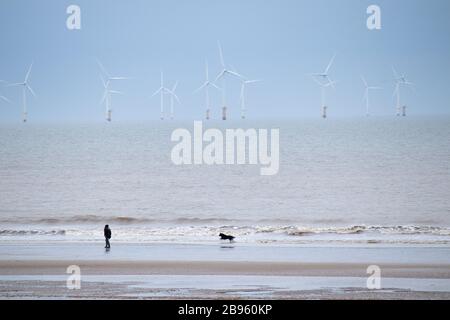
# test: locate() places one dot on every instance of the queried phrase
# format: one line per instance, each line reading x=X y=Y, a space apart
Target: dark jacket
x=107 y=232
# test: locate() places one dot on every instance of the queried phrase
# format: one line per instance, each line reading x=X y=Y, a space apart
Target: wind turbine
x=323 y=87
x=173 y=97
x=222 y=75
x=25 y=87
x=242 y=97
x=162 y=90
x=366 y=93
x=325 y=75
x=107 y=94
x=206 y=86
x=400 y=80
x=107 y=99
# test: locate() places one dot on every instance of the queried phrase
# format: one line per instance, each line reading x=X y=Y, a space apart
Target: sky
x=279 y=41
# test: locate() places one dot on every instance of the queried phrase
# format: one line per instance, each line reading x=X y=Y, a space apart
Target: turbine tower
x=25 y=87
x=323 y=87
x=400 y=80
x=366 y=94
x=206 y=86
x=242 y=97
x=173 y=97
x=222 y=75
x=107 y=94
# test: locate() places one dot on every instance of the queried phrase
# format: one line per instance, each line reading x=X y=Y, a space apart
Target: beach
x=349 y=194
x=144 y=271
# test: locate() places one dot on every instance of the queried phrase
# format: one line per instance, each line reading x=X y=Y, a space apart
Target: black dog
x=226 y=237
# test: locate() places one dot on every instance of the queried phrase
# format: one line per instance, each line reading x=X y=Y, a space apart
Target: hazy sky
x=279 y=41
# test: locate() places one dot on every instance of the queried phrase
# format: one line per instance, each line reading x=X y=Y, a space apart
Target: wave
x=357 y=229
x=189 y=230
x=9 y=232
x=86 y=219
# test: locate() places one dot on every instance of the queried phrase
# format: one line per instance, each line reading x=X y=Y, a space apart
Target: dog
x=226 y=237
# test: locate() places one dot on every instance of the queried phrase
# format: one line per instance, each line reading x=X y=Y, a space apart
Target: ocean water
x=365 y=180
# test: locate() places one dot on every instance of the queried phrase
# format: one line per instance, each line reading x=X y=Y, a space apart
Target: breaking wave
x=262 y=232
x=9 y=232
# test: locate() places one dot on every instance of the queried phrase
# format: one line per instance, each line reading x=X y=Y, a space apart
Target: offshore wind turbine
x=173 y=97
x=400 y=80
x=366 y=94
x=206 y=86
x=242 y=97
x=222 y=76
x=162 y=90
x=107 y=93
x=25 y=87
x=107 y=98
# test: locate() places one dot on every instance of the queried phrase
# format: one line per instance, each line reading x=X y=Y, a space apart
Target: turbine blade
x=330 y=63
x=331 y=83
x=31 y=90
x=174 y=95
x=220 y=75
x=157 y=91
x=28 y=73
x=235 y=74
x=215 y=86
x=364 y=81
x=103 y=82
x=317 y=81
x=115 y=92
x=395 y=74
x=175 y=86
x=5 y=99
x=253 y=81
x=102 y=68
x=201 y=87
x=15 y=84
x=222 y=61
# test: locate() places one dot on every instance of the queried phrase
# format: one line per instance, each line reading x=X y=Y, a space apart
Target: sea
x=354 y=181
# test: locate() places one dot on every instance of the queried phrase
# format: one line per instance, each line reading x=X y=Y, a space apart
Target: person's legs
x=107 y=243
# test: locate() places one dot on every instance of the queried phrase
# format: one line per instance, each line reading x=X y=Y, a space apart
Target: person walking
x=107 y=233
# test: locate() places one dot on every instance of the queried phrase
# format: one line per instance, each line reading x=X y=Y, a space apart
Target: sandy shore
x=136 y=271
x=269 y=268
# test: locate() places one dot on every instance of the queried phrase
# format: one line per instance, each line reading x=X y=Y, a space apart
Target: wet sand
x=136 y=271
x=269 y=268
